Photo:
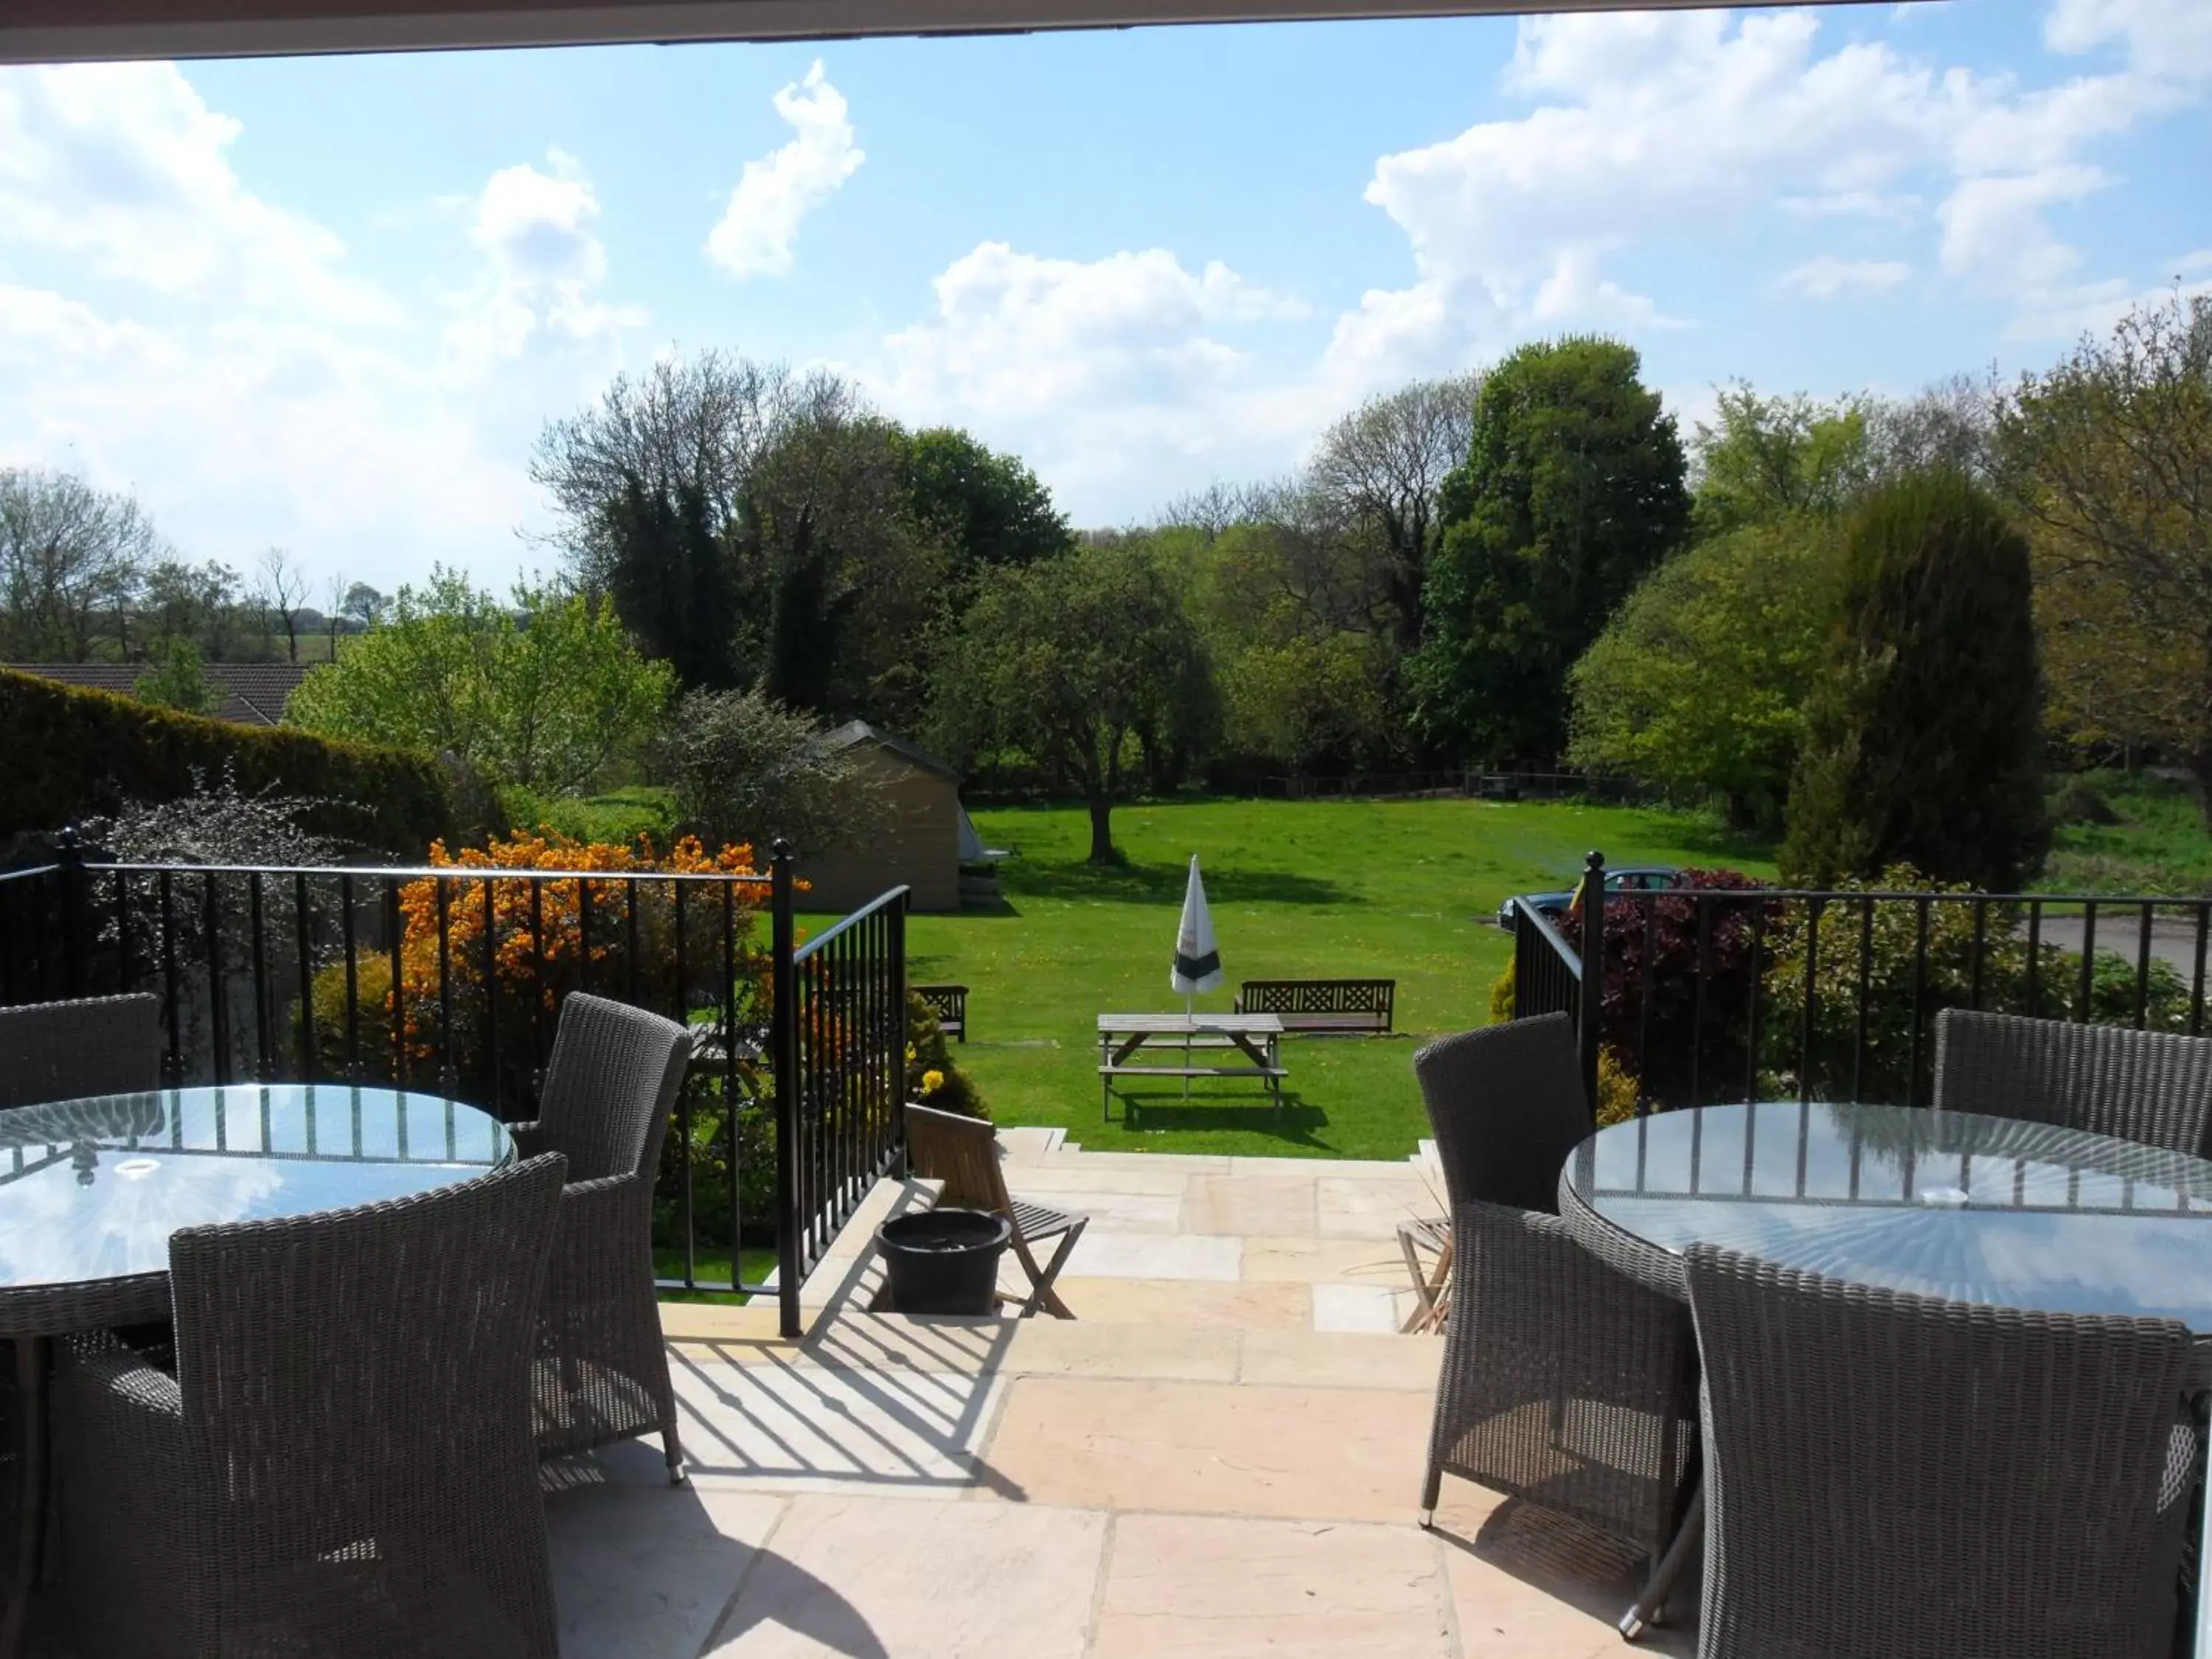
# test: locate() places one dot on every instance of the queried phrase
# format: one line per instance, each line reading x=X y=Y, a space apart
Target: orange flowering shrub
x=505 y=952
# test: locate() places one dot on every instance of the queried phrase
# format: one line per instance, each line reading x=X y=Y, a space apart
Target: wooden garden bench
x=950 y=1004
x=1321 y=1004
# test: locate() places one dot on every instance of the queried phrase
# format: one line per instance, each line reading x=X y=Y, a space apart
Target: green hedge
x=71 y=754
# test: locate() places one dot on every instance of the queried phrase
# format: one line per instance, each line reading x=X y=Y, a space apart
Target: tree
x=545 y=694
x=201 y=603
x=1572 y=488
x=364 y=605
x=1699 y=681
x=746 y=768
x=70 y=558
x=280 y=591
x=1924 y=741
x=989 y=508
x=174 y=677
x=670 y=579
x=1382 y=468
x=1768 y=457
x=2109 y=454
x=1308 y=701
x=1064 y=660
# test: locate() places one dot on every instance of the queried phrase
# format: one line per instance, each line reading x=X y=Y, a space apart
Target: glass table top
x=93 y=1189
x=1946 y=1204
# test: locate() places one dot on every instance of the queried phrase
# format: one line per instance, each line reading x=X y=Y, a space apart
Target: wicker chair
x=1890 y=1474
x=603 y=1369
x=1564 y=1383
x=963 y=1152
x=75 y=1050
x=341 y=1462
x=2151 y=1087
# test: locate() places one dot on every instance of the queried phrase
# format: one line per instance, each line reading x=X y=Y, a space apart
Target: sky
x=327 y=305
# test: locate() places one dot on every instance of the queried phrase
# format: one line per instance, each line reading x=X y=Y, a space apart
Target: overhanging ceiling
x=50 y=30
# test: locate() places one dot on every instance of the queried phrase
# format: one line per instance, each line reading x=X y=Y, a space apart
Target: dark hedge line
x=68 y=754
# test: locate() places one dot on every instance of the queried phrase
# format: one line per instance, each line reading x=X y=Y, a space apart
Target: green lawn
x=1403 y=890
x=2156 y=843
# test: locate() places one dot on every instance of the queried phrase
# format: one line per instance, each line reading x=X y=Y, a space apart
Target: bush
x=1502 y=995
x=745 y=767
x=933 y=1078
x=75 y=754
x=1884 y=1070
x=1677 y=1040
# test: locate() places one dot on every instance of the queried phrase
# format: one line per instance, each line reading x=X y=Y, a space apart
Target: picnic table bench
x=1247 y=1044
x=1321 y=1004
x=950 y=1004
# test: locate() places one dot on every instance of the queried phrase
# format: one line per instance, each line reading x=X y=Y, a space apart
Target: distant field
x=2156 y=843
x=1398 y=889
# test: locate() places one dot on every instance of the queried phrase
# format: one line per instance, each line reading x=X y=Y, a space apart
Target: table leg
x=31 y=1496
x=1666 y=1570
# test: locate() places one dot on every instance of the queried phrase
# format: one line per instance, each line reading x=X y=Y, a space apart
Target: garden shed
x=919 y=842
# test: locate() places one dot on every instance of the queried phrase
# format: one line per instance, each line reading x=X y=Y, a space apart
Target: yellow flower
x=932 y=1081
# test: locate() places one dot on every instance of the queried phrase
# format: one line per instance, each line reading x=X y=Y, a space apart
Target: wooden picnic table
x=1252 y=1040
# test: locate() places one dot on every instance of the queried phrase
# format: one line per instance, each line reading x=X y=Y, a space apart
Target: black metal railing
x=840 y=1073
x=1736 y=992
x=451 y=978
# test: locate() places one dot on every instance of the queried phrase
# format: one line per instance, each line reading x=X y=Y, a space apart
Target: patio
x=1221 y=1457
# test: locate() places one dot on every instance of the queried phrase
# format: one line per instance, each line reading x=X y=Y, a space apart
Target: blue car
x=1552 y=907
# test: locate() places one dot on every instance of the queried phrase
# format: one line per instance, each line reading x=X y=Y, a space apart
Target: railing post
x=74 y=910
x=898 y=984
x=784 y=981
x=1590 y=1025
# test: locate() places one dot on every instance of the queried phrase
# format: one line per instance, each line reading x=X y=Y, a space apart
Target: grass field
x=2156 y=844
x=1402 y=890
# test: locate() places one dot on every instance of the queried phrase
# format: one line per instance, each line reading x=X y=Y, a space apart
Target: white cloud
x=754 y=235
x=1826 y=276
x=543 y=266
x=166 y=329
x=1094 y=368
x=1651 y=127
x=123 y=168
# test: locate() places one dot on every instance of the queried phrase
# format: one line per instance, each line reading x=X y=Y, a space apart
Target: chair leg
x=1652 y=1606
x=1043 y=1295
x=672 y=1448
x=1431 y=1488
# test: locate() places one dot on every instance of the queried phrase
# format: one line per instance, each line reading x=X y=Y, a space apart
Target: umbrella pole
x=1189 y=1019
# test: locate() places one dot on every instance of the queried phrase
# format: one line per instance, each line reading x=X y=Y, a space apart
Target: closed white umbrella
x=1197 y=963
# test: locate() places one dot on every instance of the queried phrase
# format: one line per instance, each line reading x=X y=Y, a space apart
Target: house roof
x=35 y=31
x=853 y=732
x=253 y=693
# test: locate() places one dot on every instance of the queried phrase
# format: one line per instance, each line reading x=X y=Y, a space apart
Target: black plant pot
x=943 y=1261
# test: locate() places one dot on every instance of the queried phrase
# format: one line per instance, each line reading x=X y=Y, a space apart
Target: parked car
x=1552 y=907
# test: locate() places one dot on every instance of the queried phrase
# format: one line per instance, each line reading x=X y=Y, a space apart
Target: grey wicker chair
x=2151 y=1087
x=603 y=1369
x=341 y=1464
x=1890 y=1474
x=75 y=1050
x=1563 y=1383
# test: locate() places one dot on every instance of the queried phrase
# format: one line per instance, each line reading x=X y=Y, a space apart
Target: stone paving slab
x=1370 y=1209
x=870 y=1579
x=642 y=1568
x=1279 y=1205
x=1376 y=1309
x=1072 y=1177
x=1101 y=1253
x=778 y=1425
x=1323 y=1261
x=1129 y=1303
x=1206 y=1448
x=1192 y=1587
x=1326 y=1360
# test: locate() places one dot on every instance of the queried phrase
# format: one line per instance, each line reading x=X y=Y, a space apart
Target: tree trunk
x=1101 y=831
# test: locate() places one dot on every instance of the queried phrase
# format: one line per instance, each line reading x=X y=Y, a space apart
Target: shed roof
x=856 y=732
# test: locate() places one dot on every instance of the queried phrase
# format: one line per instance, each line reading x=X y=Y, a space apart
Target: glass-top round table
x=90 y=1190
x=1954 y=1205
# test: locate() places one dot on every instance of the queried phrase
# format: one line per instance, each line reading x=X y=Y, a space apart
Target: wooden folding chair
x=963 y=1152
